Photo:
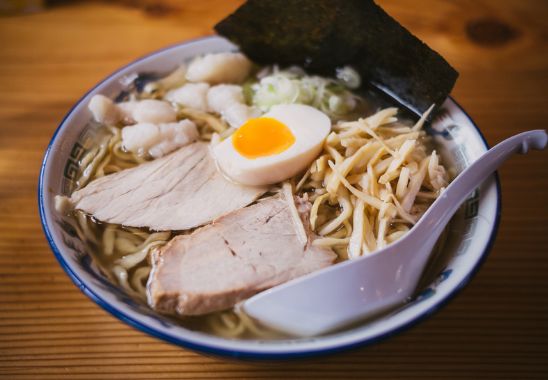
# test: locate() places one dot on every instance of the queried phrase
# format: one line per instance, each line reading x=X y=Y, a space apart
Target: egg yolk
x=263 y=136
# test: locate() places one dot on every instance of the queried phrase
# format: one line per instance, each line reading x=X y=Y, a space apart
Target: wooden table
x=496 y=328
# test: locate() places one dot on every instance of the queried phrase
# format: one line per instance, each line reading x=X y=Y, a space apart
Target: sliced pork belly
x=179 y=191
x=233 y=258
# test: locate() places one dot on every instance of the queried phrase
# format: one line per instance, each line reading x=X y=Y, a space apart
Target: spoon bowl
x=356 y=289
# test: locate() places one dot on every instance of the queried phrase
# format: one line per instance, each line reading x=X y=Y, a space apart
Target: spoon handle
x=444 y=207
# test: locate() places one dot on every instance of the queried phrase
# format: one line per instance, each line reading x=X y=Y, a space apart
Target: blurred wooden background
x=496 y=328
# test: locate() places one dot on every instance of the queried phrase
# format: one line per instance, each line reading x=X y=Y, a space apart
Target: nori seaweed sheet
x=321 y=35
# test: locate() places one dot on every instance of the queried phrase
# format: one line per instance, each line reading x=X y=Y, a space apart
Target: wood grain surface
x=496 y=328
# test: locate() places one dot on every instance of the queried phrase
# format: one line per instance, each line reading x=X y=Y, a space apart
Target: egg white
x=310 y=128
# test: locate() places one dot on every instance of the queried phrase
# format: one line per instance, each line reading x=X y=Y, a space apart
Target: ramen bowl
x=468 y=238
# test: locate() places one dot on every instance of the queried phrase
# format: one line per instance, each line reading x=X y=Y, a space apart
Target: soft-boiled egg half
x=273 y=147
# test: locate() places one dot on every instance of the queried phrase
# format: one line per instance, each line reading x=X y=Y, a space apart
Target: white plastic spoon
x=348 y=292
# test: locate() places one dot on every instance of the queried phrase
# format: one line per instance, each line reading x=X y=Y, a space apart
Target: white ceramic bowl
x=470 y=236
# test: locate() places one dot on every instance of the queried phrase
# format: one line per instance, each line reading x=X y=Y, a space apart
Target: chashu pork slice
x=233 y=258
x=176 y=192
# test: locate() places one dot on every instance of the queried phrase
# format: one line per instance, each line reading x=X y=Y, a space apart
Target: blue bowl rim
x=240 y=354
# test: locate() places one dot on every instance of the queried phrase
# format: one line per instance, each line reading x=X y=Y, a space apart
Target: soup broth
x=123 y=252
